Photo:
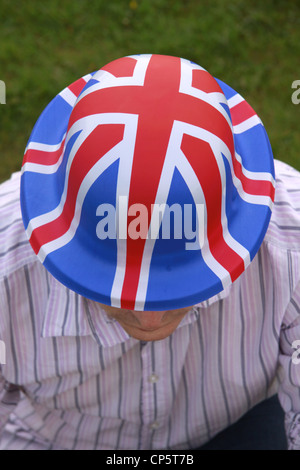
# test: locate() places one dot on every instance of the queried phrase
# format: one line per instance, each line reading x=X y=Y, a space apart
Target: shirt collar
x=64 y=315
x=221 y=295
x=69 y=314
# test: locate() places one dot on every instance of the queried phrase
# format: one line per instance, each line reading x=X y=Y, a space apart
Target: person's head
x=147 y=187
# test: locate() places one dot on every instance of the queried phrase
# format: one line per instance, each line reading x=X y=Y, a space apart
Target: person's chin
x=149 y=335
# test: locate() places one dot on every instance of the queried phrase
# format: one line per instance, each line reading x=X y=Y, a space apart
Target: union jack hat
x=147 y=185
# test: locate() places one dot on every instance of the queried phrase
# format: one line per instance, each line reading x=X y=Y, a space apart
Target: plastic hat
x=147 y=185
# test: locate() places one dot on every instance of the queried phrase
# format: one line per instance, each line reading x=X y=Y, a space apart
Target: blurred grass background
x=252 y=46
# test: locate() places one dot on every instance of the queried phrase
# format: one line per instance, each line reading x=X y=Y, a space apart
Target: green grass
x=253 y=46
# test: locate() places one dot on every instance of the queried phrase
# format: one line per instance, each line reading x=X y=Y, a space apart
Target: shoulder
x=284 y=227
x=15 y=250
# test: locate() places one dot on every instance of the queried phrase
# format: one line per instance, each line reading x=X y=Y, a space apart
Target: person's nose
x=150 y=320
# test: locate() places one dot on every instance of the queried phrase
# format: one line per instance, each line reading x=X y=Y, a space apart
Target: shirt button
x=153 y=378
x=154 y=425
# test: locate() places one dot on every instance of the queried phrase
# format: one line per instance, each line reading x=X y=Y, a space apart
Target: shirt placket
x=153 y=403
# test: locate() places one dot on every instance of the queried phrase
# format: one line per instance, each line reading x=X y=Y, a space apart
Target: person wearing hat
x=150 y=270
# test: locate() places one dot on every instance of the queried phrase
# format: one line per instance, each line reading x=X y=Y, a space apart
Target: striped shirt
x=74 y=379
